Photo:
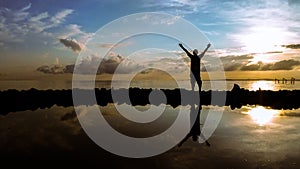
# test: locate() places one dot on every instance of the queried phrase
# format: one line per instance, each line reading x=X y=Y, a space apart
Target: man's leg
x=199 y=82
x=193 y=81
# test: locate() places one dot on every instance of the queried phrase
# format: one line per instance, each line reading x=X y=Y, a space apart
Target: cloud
x=230 y=62
x=176 y=6
x=245 y=63
x=40 y=28
x=232 y=66
x=125 y=65
x=20 y=25
x=56 y=69
x=39 y=17
x=158 y=20
x=44 y=21
x=260 y=66
x=234 y=58
x=59 y=18
x=171 y=65
x=292 y=46
x=294 y=2
x=73 y=44
x=282 y=65
x=26 y=7
x=88 y=65
x=252 y=67
x=69 y=68
x=10 y=30
x=37 y=23
x=253 y=20
x=110 y=45
x=248 y=13
x=211 y=33
x=74 y=31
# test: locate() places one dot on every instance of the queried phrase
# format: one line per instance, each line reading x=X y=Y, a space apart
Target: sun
x=263 y=39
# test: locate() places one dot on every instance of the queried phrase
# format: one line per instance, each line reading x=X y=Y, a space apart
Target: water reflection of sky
x=261 y=115
x=241 y=140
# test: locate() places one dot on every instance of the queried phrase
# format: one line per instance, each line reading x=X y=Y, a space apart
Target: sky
x=247 y=35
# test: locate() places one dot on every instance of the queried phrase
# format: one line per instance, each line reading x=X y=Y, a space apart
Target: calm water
x=250 y=137
x=243 y=139
x=207 y=85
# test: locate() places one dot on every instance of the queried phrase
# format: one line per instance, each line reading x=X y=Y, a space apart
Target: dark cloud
x=174 y=65
x=109 y=65
x=69 y=68
x=242 y=63
x=72 y=43
x=232 y=66
x=251 y=67
x=112 y=61
x=272 y=52
x=231 y=58
x=229 y=63
x=87 y=66
x=44 y=69
x=292 y=46
x=280 y=65
x=294 y=2
x=284 y=65
x=235 y=62
x=56 y=69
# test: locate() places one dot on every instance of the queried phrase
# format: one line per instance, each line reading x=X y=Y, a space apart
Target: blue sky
x=30 y=30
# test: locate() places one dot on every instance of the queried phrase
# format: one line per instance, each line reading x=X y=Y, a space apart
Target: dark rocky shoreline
x=14 y=100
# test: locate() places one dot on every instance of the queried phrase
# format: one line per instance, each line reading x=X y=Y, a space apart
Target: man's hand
x=208 y=45
x=180 y=44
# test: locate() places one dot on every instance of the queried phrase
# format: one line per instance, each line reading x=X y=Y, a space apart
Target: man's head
x=195 y=52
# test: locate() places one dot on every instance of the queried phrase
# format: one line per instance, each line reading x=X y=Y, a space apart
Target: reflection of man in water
x=195 y=131
x=195 y=65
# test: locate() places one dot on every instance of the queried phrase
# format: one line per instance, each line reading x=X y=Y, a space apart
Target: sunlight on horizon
x=263 y=85
x=262 y=116
x=263 y=57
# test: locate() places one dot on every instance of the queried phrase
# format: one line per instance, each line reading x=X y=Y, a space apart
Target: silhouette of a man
x=195 y=131
x=195 y=65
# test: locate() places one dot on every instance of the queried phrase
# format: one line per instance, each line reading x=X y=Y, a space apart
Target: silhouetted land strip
x=14 y=100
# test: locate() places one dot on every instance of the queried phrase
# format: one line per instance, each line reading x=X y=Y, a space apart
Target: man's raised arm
x=202 y=54
x=186 y=51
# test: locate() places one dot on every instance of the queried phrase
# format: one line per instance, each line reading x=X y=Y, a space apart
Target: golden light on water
x=261 y=115
x=263 y=85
